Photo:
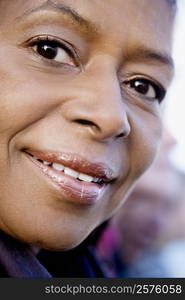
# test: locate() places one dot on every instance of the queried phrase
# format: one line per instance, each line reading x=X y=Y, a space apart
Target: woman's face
x=80 y=89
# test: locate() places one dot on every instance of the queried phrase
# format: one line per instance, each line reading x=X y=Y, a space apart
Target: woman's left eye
x=54 y=51
x=147 y=88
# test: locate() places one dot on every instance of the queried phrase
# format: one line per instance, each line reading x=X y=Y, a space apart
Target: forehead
x=113 y=16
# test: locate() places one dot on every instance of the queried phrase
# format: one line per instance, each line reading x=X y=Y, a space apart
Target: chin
x=56 y=245
x=57 y=241
x=56 y=235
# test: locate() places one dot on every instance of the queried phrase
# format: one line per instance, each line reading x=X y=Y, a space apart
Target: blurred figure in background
x=134 y=232
x=176 y=228
x=172 y=244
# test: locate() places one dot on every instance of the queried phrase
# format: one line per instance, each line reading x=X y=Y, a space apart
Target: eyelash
x=60 y=44
x=160 y=91
x=69 y=49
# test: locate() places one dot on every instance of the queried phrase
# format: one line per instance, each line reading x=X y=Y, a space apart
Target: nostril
x=120 y=135
x=93 y=125
x=85 y=122
x=124 y=134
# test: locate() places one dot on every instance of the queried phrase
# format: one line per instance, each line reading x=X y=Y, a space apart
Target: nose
x=100 y=108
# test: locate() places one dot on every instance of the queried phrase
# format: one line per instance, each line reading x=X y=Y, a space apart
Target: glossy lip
x=70 y=188
x=77 y=163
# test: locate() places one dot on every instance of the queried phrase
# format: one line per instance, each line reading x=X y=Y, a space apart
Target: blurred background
x=175 y=109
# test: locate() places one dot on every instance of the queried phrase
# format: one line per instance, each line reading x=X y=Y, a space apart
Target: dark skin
x=83 y=77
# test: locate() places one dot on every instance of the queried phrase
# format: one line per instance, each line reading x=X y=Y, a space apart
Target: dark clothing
x=18 y=260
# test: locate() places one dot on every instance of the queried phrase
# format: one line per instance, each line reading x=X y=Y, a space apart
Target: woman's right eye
x=53 y=51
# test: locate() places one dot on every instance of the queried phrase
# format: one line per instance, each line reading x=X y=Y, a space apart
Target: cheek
x=145 y=141
x=26 y=94
x=21 y=104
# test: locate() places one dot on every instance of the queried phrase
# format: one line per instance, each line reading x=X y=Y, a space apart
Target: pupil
x=141 y=87
x=47 y=50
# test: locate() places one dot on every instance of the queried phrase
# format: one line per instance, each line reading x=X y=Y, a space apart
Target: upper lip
x=77 y=163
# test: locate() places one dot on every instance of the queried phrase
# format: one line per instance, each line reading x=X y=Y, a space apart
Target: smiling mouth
x=77 y=179
x=69 y=171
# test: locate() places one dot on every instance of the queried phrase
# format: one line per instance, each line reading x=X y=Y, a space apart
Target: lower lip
x=71 y=189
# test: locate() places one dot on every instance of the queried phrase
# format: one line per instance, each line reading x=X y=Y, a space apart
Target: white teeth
x=96 y=180
x=85 y=177
x=58 y=167
x=71 y=172
x=46 y=163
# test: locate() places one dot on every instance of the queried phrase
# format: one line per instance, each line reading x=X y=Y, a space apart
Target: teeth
x=46 y=163
x=85 y=177
x=71 y=172
x=58 y=167
x=96 y=180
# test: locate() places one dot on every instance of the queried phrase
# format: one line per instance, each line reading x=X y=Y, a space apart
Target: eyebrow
x=138 y=54
x=72 y=14
x=142 y=53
